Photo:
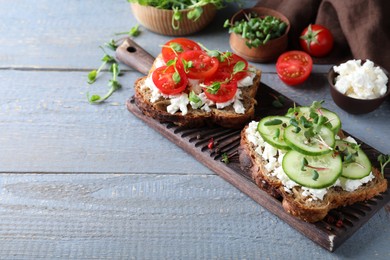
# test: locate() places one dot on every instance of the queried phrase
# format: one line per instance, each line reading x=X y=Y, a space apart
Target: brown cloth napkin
x=361 y=28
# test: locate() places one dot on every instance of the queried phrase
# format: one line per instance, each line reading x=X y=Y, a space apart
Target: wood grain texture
x=152 y=216
x=113 y=188
x=47 y=125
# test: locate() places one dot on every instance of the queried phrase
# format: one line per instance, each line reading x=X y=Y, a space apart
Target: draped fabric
x=361 y=28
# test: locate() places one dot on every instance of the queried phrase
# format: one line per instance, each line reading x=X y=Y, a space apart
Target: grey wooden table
x=92 y=181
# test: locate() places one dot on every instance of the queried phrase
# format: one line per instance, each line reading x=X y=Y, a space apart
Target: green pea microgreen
x=383 y=160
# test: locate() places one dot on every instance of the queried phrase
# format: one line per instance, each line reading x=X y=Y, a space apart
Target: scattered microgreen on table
x=110 y=61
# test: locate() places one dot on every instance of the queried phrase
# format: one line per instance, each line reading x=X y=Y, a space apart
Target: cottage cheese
x=274 y=157
x=361 y=81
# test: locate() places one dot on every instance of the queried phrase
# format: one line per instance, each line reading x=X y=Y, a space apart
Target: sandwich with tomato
x=192 y=86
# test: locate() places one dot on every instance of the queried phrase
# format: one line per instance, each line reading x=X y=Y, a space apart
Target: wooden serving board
x=328 y=233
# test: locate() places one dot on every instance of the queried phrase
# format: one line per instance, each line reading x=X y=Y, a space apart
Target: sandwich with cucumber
x=192 y=86
x=304 y=158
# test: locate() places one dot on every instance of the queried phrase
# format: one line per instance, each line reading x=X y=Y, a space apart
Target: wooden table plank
x=47 y=125
x=154 y=217
x=127 y=192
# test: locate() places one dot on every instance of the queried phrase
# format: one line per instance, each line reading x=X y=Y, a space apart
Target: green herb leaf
x=273 y=122
x=225 y=158
x=134 y=31
x=176 y=77
x=112 y=45
x=315 y=175
x=239 y=67
x=213 y=88
x=304 y=164
x=383 y=161
x=92 y=76
x=194 y=98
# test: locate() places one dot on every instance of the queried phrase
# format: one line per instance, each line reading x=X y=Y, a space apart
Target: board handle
x=134 y=56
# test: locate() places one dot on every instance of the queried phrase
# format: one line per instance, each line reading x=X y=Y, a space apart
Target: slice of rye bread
x=225 y=117
x=295 y=203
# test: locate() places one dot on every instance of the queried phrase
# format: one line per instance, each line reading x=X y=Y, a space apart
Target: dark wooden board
x=195 y=141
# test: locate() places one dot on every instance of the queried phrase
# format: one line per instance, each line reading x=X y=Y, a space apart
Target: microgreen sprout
x=107 y=59
x=175 y=76
x=225 y=158
x=111 y=45
x=383 y=160
x=113 y=84
x=133 y=32
x=305 y=164
x=278 y=101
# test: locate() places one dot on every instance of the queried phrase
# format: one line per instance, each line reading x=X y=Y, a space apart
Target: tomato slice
x=163 y=78
x=203 y=66
x=175 y=47
x=294 y=67
x=228 y=65
x=227 y=90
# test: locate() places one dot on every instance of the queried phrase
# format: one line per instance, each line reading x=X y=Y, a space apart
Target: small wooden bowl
x=160 y=20
x=355 y=105
x=264 y=53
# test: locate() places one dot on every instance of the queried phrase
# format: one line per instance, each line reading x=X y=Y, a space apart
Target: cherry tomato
x=203 y=66
x=175 y=47
x=168 y=82
x=228 y=65
x=294 y=67
x=227 y=90
x=316 y=40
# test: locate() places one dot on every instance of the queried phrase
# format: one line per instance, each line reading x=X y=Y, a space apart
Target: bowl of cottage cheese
x=358 y=86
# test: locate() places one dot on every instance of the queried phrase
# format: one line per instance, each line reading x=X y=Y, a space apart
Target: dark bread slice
x=297 y=204
x=225 y=117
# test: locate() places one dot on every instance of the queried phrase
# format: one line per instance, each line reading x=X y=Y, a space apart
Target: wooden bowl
x=355 y=105
x=160 y=20
x=264 y=53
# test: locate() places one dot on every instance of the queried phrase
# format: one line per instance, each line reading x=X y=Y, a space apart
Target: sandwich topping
x=191 y=76
x=297 y=150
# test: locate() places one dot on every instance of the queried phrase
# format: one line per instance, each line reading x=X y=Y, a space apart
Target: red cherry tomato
x=203 y=66
x=316 y=40
x=294 y=67
x=227 y=90
x=168 y=82
x=175 y=47
x=228 y=65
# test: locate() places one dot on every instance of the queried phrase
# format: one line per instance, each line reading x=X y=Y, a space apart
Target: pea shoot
x=110 y=61
x=113 y=84
x=383 y=160
x=107 y=59
x=194 y=7
x=257 y=30
x=133 y=32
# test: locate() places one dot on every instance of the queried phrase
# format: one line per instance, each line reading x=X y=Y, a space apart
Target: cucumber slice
x=274 y=133
x=361 y=165
x=316 y=146
x=333 y=118
x=328 y=167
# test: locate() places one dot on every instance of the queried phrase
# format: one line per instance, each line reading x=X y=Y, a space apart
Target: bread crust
x=225 y=117
x=295 y=203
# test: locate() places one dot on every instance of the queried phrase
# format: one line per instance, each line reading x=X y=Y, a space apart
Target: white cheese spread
x=274 y=157
x=361 y=81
